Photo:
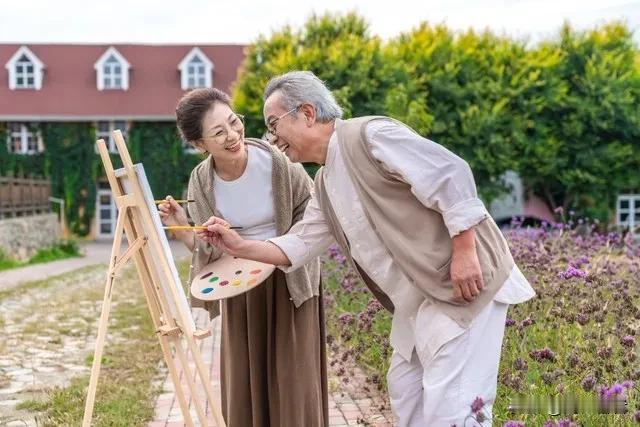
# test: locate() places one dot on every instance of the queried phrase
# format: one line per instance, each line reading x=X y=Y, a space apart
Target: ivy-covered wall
x=158 y=147
x=71 y=162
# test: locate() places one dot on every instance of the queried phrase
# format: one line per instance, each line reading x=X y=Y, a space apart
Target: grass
x=126 y=394
x=61 y=250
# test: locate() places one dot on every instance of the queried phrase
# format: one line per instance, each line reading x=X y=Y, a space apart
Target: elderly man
x=406 y=214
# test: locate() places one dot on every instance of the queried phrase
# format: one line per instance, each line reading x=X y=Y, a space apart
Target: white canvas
x=156 y=227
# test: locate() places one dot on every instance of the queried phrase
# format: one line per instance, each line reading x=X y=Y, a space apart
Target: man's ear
x=309 y=113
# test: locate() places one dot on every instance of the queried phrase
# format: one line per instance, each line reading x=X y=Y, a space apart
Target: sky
x=242 y=21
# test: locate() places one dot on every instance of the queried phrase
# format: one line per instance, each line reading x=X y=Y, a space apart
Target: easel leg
x=104 y=321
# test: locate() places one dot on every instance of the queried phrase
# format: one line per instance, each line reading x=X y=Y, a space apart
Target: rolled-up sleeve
x=307 y=239
x=438 y=178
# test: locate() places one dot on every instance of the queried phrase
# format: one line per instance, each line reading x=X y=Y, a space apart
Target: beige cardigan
x=291 y=192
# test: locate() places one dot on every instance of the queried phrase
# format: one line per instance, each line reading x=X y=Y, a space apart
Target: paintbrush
x=193 y=227
x=157 y=202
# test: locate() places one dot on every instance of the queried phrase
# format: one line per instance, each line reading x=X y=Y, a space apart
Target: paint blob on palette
x=229 y=276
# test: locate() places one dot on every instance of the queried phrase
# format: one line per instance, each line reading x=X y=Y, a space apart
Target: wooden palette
x=229 y=276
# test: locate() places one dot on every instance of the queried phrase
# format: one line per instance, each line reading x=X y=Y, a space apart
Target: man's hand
x=466 y=273
x=221 y=236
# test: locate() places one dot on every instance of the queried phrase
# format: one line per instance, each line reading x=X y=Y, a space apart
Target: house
x=109 y=86
x=532 y=208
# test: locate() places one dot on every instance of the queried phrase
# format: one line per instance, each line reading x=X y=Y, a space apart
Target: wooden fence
x=24 y=196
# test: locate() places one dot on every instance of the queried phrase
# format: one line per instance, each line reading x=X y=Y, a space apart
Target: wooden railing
x=24 y=196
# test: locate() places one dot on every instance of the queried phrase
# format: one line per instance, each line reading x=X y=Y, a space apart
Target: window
x=25 y=70
x=106 y=212
x=25 y=73
x=112 y=74
x=112 y=71
x=196 y=73
x=104 y=131
x=628 y=212
x=195 y=70
x=22 y=139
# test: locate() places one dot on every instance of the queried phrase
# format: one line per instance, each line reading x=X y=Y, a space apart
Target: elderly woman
x=273 y=366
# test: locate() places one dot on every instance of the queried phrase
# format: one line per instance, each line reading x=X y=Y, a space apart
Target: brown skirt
x=273 y=368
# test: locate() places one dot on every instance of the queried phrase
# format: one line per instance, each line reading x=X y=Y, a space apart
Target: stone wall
x=21 y=237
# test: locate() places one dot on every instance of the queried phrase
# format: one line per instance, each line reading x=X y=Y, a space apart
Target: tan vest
x=415 y=236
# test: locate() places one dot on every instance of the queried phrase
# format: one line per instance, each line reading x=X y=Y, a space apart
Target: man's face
x=287 y=127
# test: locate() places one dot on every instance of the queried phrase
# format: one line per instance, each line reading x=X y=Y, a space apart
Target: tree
x=455 y=90
x=582 y=133
x=337 y=48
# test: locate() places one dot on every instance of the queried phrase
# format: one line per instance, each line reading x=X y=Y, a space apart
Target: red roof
x=69 y=90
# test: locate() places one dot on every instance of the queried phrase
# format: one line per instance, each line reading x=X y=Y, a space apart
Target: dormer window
x=196 y=73
x=25 y=70
x=112 y=71
x=195 y=70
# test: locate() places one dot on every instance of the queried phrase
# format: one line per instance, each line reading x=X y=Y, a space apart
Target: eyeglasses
x=236 y=124
x=271 y=126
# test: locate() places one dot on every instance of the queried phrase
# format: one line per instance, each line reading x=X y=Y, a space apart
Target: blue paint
x=207 y=290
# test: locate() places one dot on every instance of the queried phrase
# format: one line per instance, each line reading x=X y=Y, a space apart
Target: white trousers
x=438 y=391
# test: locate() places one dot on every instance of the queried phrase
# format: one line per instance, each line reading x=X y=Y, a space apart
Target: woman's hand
x=171 y=213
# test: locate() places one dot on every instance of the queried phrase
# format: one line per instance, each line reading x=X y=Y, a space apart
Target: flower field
x=569 y=356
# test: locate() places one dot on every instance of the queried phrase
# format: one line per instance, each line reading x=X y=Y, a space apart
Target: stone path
x=48 y=323
x=47 y=335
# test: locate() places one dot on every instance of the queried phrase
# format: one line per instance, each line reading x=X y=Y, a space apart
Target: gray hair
x=304 y=87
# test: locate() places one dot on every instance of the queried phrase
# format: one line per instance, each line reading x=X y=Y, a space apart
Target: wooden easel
x=173 y=323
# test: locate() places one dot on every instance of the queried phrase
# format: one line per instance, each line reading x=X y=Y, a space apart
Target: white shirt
x=247 y=202
x=437 y=178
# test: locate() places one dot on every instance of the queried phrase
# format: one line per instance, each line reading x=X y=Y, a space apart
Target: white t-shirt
x=247 y=202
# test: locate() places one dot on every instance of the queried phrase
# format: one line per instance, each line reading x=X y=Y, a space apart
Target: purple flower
x=627 y=341
x=520 y=364
x=637 y=416
x=509 y=322
x=512 y=423
x=543 y=354
x=550 y=423
x=565 y=422
x=604 y=352
x=346 y=318
x=571 y=272
x=612 y=391
x=588 y=383
x=477 y=404
x=628 y=384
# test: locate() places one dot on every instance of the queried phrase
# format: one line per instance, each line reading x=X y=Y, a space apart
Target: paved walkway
x=96 y=252
x=348 y=406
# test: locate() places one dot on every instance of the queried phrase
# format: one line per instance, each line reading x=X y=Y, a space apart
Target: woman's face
x=222 y=133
